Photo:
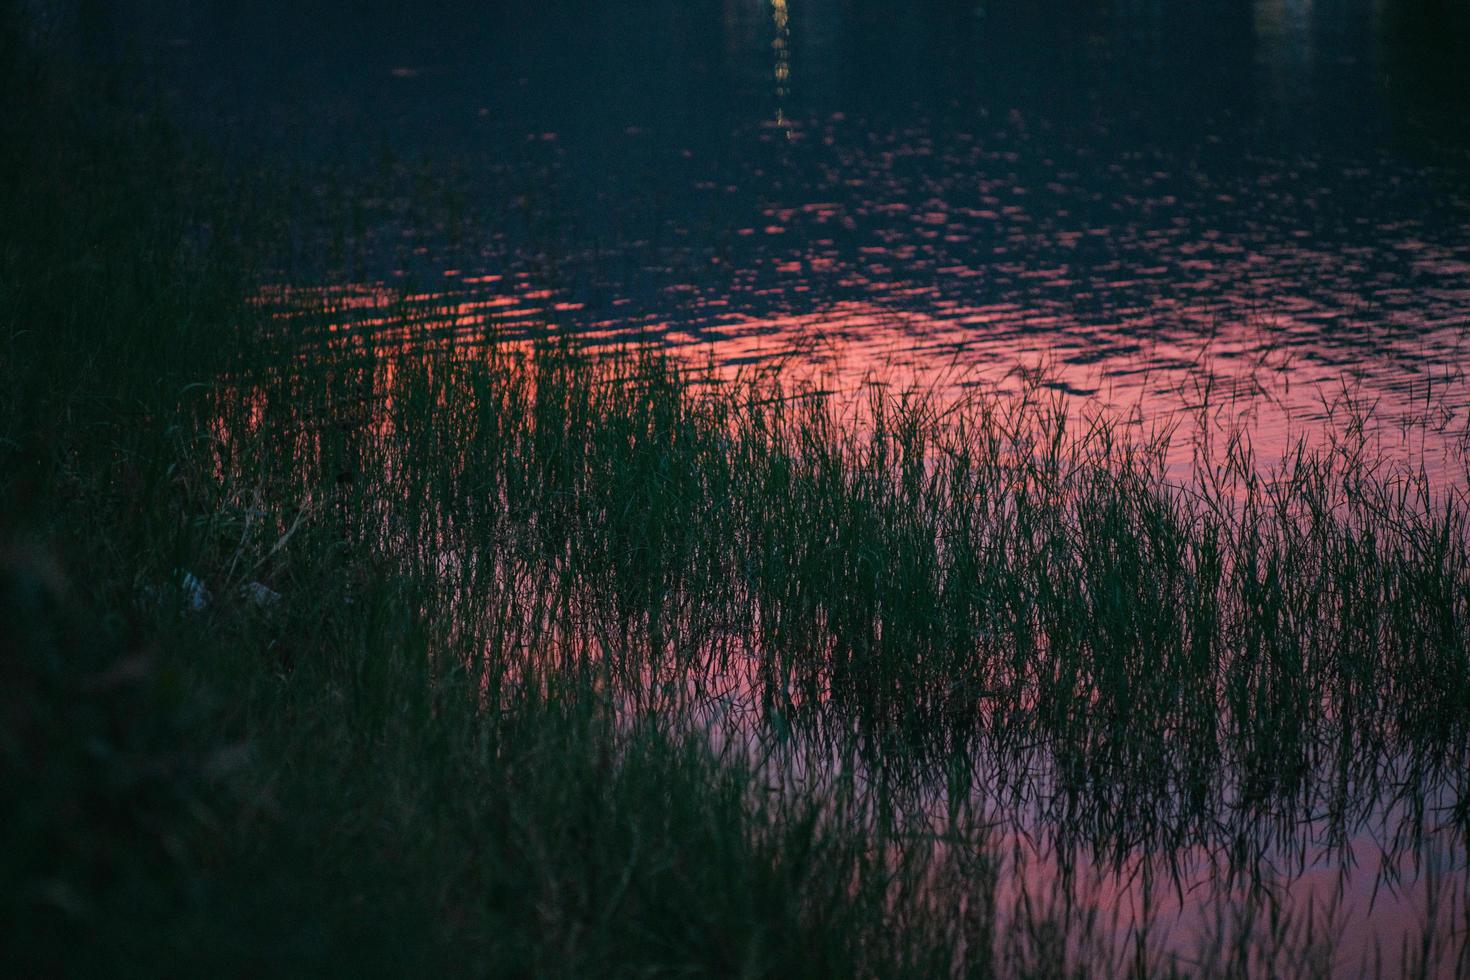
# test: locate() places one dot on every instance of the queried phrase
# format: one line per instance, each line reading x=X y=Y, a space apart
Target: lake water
x=1261 y=208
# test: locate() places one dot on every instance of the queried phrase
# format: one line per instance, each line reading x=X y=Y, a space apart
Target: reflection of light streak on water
x=782 y=47
x=1275 y=377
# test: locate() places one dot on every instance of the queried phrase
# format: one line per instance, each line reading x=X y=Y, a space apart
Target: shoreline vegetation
x=528 y=659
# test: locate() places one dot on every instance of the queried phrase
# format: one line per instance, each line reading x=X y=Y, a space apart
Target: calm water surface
x=1262 y=208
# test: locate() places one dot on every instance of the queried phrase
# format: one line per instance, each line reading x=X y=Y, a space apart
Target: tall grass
x=962 y=606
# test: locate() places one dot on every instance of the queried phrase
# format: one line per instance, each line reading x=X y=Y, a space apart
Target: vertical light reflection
x=782 y=46
x=1286 y=54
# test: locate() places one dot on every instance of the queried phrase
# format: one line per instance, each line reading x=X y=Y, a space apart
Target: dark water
x=1263 y=207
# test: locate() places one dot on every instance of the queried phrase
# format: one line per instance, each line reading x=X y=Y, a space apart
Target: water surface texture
x=1234 y=202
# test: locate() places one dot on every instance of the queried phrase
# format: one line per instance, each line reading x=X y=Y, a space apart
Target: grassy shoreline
x=533 y=660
